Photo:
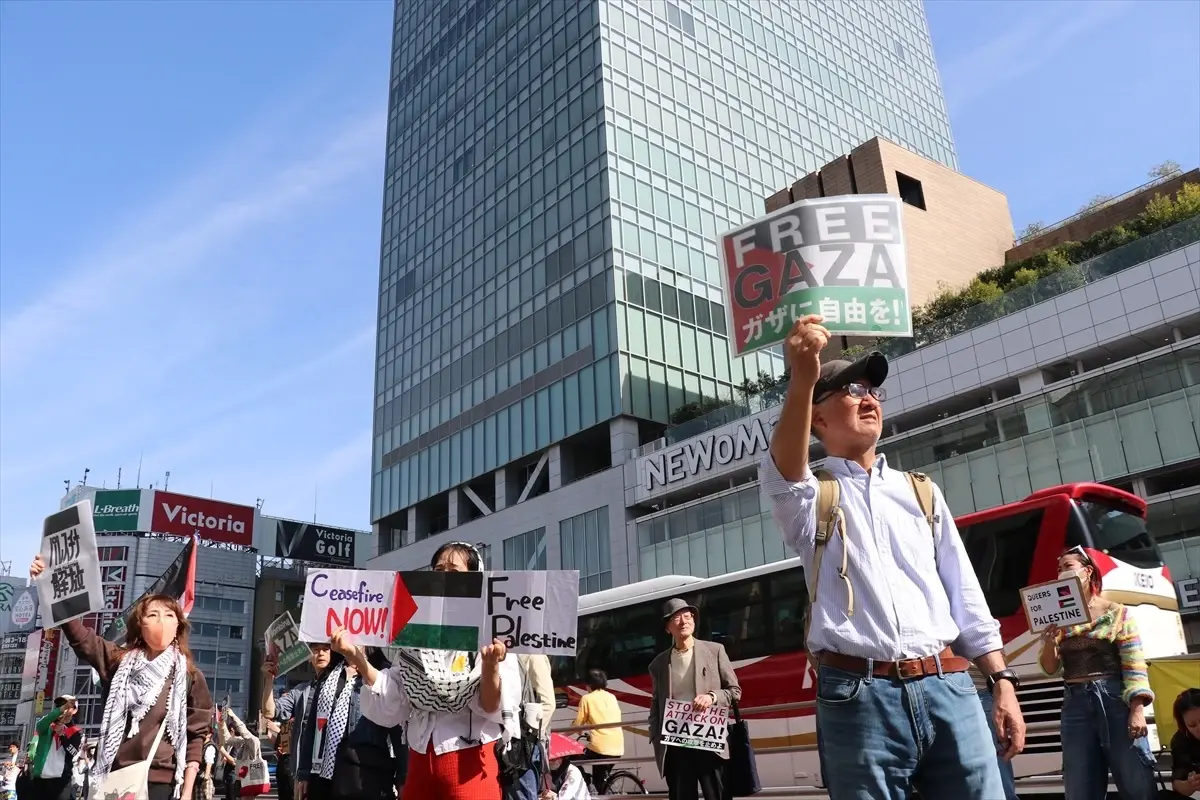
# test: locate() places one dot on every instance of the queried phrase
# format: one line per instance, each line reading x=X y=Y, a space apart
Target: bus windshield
x=1120 y=534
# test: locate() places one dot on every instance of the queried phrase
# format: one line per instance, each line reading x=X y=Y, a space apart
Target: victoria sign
x=320 y=544
x=181 y=515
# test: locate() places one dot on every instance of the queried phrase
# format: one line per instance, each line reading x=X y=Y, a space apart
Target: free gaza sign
x=182 y=515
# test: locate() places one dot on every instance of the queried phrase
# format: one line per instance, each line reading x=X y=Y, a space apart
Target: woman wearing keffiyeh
x=454 y=706
x=147 y=683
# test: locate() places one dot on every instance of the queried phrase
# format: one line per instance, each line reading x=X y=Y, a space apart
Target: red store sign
x=181 y=515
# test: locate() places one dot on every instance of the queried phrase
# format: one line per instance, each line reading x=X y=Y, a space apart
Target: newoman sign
x=708 y=455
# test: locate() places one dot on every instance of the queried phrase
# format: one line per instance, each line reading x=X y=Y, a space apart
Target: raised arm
x=789 y=443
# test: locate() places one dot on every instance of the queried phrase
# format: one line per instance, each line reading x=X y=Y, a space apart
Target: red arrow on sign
x=403 y=608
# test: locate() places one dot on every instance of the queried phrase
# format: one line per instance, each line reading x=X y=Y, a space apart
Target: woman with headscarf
x=156 y=702
x=455 y=706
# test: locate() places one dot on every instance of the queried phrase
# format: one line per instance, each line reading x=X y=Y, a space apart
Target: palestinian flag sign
x=446 y=610
x=532 y=611
x=179 y=581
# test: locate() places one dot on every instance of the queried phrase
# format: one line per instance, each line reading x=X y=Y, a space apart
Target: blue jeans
x=1095 y=741
x=879 y=738
x=1006 y=770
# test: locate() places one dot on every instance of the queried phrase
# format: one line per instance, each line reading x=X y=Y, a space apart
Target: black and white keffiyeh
x=134 y=690
x=431 y=683
x=333 y=707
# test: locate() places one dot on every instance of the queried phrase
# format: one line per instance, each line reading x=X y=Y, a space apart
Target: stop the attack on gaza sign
x=840 y=257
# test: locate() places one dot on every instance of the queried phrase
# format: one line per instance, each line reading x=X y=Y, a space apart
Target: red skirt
x=470 y=774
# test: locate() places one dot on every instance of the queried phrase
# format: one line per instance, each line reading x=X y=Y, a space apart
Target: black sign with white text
x=320 y=544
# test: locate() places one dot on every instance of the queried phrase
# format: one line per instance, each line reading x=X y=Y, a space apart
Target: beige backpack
x=831 y=521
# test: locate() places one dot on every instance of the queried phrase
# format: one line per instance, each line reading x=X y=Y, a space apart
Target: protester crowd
x=896 y=625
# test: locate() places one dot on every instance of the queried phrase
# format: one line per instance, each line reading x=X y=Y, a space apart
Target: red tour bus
x=758 y=615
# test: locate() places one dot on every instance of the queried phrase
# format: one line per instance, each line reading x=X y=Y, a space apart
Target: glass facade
x=1098 y=427
x=556 y=175
x=585 y=546
x=1101 y=426
x=526 y=550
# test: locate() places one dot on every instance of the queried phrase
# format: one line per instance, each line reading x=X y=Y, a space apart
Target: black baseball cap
x=838 y=374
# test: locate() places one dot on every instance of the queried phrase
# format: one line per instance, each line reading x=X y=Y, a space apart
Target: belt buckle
x=909 y=668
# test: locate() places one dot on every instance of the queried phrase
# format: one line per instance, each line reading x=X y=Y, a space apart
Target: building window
x=228 y=659
x=223 y=604
x=113 y=553
x=910 y=190
x=279 y=597
x=226 y=685
x=586 y=547
x=485 y=555
x=526 y=550
x=681 y=19
x=218 y=631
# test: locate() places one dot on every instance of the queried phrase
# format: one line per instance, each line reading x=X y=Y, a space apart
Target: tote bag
x=742 y=768
x=132 y=782
x=252 y=772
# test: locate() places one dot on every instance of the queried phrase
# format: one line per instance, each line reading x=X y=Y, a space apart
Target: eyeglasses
x=856 y=390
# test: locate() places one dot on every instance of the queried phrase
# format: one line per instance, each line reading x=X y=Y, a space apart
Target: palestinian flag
x=179 y=581
x=441 y=609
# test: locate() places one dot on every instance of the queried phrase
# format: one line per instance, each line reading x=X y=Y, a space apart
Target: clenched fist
x=802 y=348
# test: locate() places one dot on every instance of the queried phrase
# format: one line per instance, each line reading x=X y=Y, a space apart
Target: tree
x=1031 y=230
x=1165 y=170
x=1096 y=202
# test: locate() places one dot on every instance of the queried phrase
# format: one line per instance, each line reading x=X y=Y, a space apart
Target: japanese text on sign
x=684 y=725
x=840 y=257
x=70 y=586
x=284 y=645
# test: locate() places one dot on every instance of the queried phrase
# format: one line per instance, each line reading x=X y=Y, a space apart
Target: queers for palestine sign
x=840 y=257
x=530 y=611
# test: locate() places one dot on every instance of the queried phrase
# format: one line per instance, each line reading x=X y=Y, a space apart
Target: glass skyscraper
x=556 y=175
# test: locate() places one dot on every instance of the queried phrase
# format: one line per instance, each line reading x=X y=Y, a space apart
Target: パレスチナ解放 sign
x=70 y=585
x=840 y=257
x=530 y=611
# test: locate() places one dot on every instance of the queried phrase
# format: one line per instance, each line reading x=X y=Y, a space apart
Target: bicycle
x=619 y=781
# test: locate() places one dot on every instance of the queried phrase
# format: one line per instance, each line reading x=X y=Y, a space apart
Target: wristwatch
x=1003 y=675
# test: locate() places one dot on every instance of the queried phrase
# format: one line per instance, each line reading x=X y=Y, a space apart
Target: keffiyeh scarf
x=430 y=683
x=134 y=690
x=333 y=707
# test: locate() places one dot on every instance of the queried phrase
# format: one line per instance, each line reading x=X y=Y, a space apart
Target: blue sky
x=190 y=203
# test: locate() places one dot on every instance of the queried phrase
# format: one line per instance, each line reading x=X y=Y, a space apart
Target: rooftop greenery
x=998 y=288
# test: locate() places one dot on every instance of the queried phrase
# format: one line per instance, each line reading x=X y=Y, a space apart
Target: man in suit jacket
x=699 y=672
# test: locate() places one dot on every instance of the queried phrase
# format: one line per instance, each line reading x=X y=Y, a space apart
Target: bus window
x=789 y=596
x=1001 y=550
x=732 y=615
x=1119 y=534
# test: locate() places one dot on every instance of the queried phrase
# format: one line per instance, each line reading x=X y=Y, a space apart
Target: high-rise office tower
x=557 y=172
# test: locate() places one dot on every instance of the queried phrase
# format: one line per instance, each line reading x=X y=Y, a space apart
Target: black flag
x=179 y=581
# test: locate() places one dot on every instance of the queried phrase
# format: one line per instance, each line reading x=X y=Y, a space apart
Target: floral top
x=1113 y=635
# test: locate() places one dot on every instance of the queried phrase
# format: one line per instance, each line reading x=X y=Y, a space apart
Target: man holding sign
x=897 y=599
x=694 y=685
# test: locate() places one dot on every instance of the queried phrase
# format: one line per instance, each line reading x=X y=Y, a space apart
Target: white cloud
x=1032 y=40
x=141 y=258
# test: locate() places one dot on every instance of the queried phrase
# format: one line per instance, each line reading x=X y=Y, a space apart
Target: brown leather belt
x=904 y=670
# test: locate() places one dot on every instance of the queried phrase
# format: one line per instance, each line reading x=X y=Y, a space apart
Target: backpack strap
x=830 y=521
x=923 y=488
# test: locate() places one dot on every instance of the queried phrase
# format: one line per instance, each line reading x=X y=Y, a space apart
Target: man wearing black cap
x=698 y=672
x=898 y=597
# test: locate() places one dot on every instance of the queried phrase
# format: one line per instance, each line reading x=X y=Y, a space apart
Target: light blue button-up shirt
x=908 y=601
